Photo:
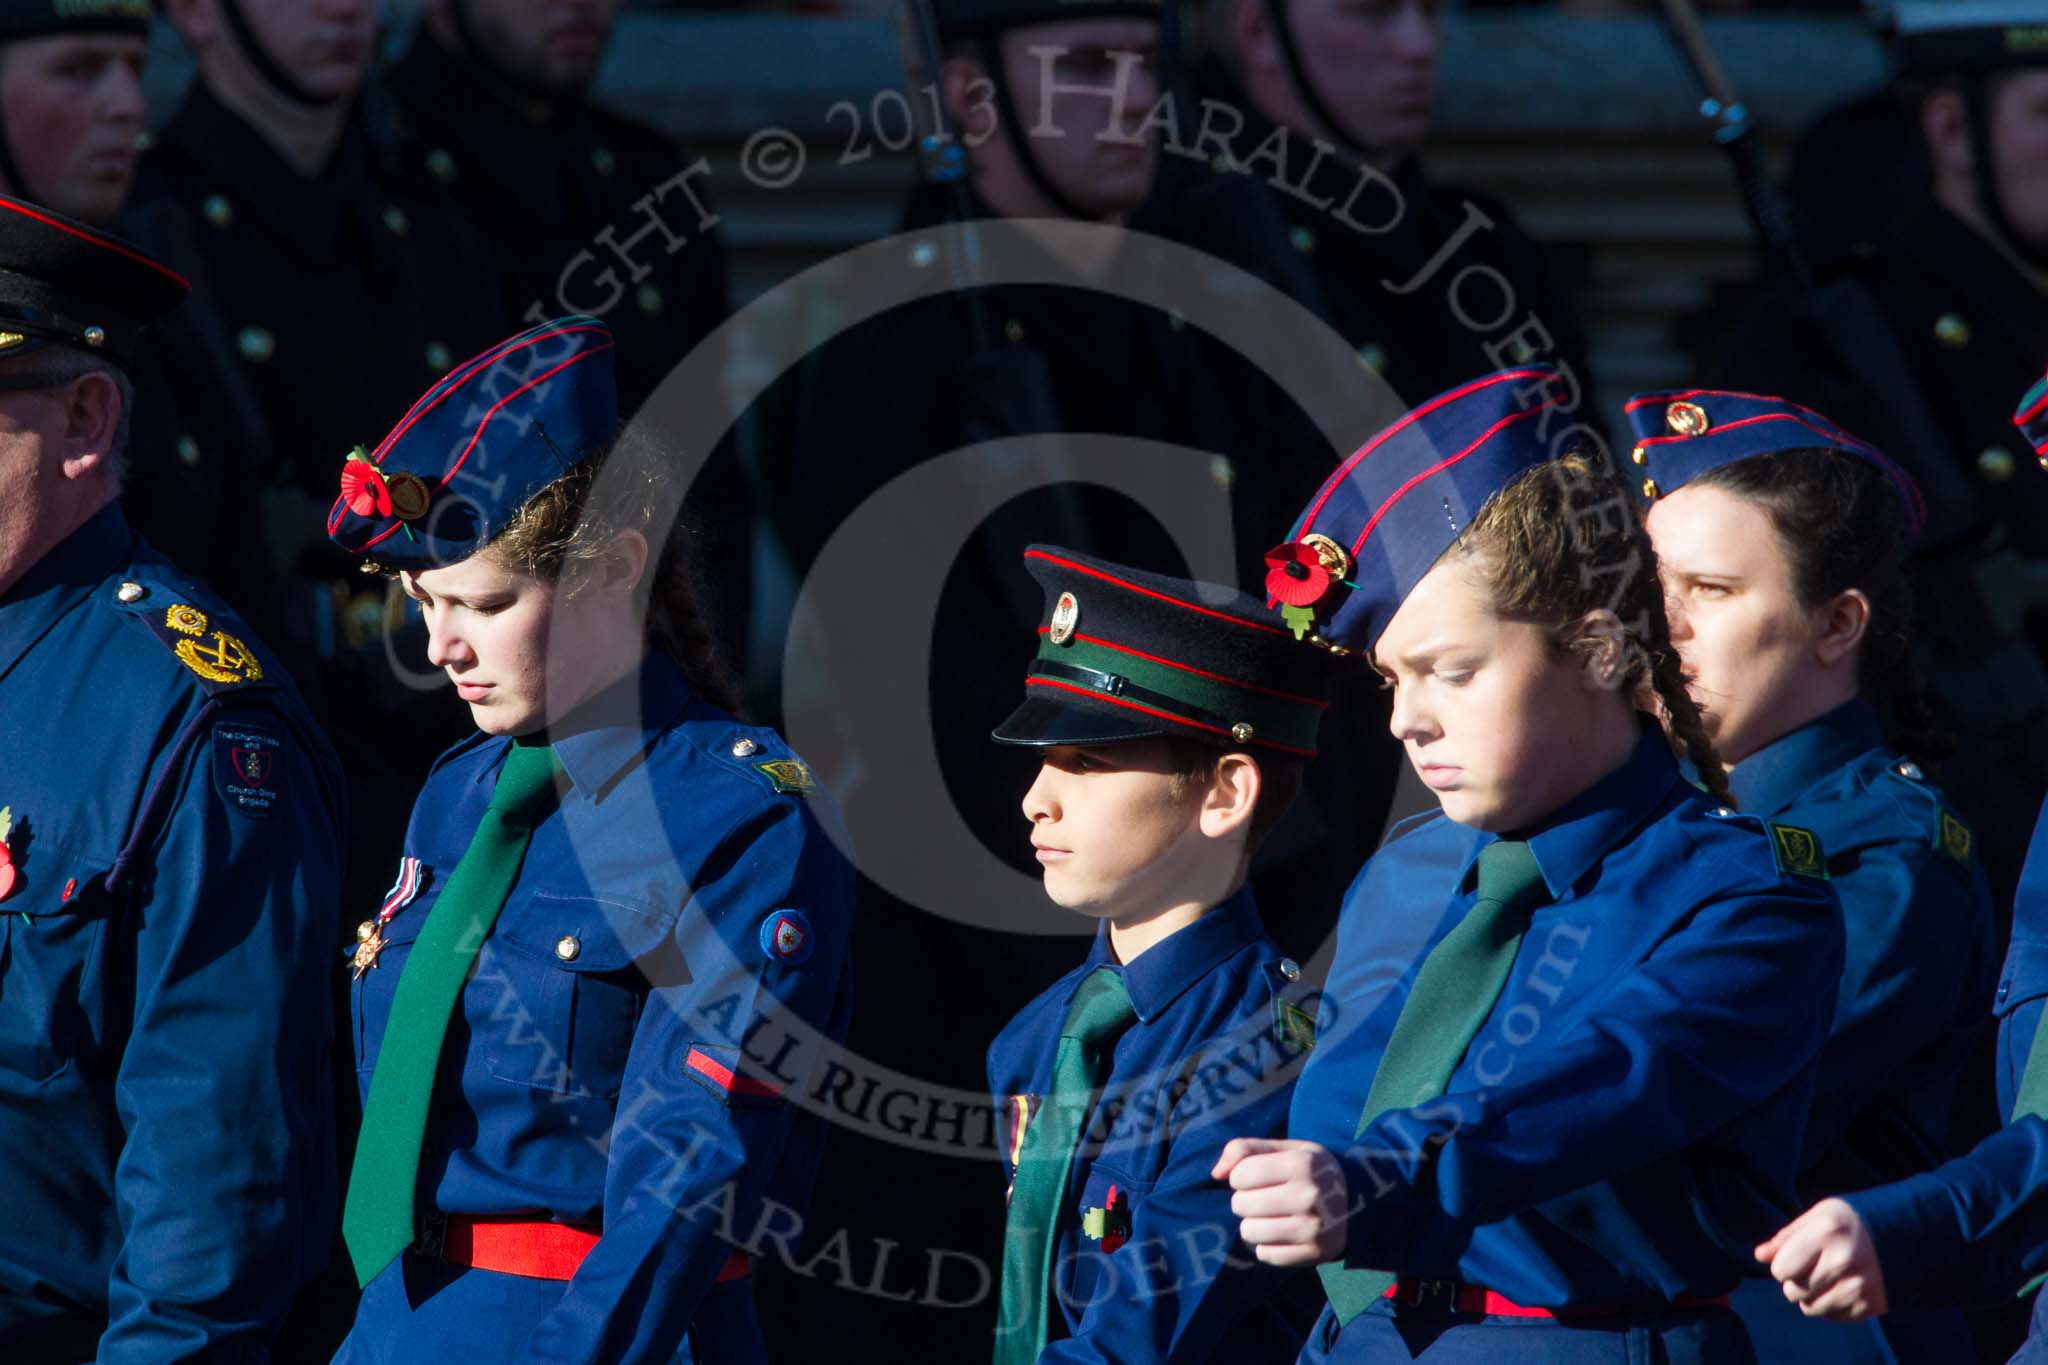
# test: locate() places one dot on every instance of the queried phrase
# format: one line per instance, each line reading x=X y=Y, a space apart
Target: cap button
x=602 y=161
x=395 y=220
x=188 y=451
x=219 y=210
x=95 y=336
x=1222 y=471
x=438 y=357
x=1290 y=969
x=441 y=165
x=1014 y=331
x=648 y=296
x=923 y=253
x=1952 y=330
x=1302 y=240
x=1241 y=732
x=745 y=748
x=1373 y=356
x=568 y=948
x=131 y=592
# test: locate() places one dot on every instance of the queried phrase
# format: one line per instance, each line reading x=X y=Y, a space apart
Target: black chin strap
x=11 y=169
x=1305 y=89
x=991 y=51
x=273 y=75
x=1984 y=168
x=513 y=84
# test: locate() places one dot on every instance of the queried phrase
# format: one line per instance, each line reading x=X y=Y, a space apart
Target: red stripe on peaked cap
x=1190 y=668
x=478 y=434
x=1399 y=493
x=1331 y=484
x=105 y=243
x=1147 y=592
x=1916 y=505
x=1092 y=694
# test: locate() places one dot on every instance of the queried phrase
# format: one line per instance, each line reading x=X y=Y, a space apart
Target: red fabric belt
x=510 y=1246
x=1466 y=1298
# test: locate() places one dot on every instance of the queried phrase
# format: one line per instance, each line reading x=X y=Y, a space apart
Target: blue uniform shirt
x=170 y=917
x=1971 y=1232
x=1156 y=1272
x=627 y=1052
x=1914 y=994
x=1625 y=1127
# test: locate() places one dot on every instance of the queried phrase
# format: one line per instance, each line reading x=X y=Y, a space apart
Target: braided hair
x=1563 y=540
x=566 y=529
x=1842 y=528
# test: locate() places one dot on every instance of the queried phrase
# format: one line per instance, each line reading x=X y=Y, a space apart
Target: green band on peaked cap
x=1127 y=655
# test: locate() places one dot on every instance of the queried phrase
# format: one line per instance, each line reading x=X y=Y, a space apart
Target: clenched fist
x=1291 y=1198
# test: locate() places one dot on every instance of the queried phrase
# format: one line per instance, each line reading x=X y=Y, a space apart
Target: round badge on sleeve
x=786 y=938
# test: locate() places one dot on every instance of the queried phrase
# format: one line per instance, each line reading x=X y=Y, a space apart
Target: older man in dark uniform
x=169 y=863
x=1959 y=282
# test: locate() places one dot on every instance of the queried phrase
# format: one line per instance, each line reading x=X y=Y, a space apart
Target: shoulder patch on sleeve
x=1294 y=1028
x=201 y=641
x=788 y=775
x=787 y=937
x=1954 y=837
x=1798 y=851
x=245 y=765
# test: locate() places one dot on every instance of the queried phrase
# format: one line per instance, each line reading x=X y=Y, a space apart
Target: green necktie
x=1455 y=991
x=377 y=1222
x=1100 y=1013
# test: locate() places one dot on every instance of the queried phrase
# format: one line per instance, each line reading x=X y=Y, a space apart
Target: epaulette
x=1947 y=831
x=205 y=641
x=1796 y=851
x=766 y=763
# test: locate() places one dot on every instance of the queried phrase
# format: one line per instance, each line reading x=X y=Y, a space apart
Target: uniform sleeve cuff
x=1382 y=1220
x=1912 y=1223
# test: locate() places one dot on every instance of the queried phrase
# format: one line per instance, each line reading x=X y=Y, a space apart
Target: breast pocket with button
x=558 y=991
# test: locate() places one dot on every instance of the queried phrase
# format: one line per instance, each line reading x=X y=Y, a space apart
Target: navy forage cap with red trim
x=1379 y=523
x=2032 y=419
x=1683 y=433
x=477 y=446
x=1126 y=655
x=65 y=283
x=40 y=18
